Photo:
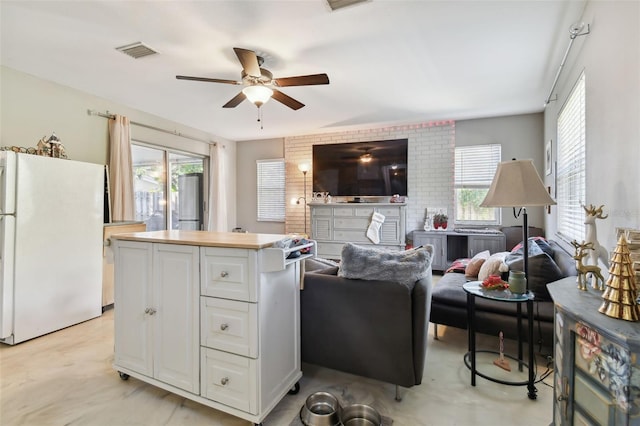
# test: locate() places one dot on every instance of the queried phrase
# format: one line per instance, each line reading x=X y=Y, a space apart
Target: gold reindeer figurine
x=584 y=270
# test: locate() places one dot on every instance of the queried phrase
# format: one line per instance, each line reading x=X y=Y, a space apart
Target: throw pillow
x=473 y=268
x=542 y=271
x=458 y=265
x=368 y=263
x=494 y=265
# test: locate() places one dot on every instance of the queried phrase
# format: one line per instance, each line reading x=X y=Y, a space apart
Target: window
x=271 y=191
x=570 y=173
x=185 y=188
x=475 y=167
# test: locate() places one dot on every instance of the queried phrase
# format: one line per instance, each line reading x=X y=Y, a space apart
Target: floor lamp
x=517 y=184
x=304 y=168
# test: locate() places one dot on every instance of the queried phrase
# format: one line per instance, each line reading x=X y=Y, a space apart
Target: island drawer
x=229 y=379
x=229 y=325
x=227 y=274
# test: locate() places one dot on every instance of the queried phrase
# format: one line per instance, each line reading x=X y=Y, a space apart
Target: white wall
x=247 y=154
x=31 y=108
x=521 y=137
x=610 y=58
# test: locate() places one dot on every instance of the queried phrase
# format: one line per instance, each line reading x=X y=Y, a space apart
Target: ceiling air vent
x=339 y=4
x=136 y=50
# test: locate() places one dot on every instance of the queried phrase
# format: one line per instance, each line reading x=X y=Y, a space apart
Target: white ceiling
x=389 y=61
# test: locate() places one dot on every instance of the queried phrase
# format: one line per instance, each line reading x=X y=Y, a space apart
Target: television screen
x=361 y=168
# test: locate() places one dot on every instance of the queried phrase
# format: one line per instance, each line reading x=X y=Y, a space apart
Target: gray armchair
x=376 y=329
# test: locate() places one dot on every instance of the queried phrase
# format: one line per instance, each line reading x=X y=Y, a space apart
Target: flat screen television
x=376 y=168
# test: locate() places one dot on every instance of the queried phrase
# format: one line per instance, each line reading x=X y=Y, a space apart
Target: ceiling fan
x=260 y=84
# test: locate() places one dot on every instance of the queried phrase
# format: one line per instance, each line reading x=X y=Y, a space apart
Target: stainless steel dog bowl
x=320 y=409
x=360 y=415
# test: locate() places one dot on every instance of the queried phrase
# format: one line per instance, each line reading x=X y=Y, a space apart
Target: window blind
x=271 y=190
x=476 y=165
x=571 y=173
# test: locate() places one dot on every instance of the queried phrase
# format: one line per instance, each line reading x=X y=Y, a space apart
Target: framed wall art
x=548 y=158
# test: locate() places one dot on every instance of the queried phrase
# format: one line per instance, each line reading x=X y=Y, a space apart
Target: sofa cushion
x=542 y=270
x=368 y=263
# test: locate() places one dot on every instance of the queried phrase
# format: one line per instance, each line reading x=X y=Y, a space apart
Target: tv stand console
x=334 y=224
x=451 y=245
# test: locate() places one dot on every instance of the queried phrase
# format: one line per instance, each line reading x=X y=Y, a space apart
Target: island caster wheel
x=257 y=424
x=123 y=376
x=295 y=389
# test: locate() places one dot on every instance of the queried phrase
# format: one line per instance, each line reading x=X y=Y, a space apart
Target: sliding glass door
x=168 y=188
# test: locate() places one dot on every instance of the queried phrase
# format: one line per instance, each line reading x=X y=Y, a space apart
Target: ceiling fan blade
x=235 y=101
x=302 y=80
x=249 y=61
x=287 y=100
x=208 y=80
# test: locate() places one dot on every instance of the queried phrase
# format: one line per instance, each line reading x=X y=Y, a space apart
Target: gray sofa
x=376 y=329
x=449 y=305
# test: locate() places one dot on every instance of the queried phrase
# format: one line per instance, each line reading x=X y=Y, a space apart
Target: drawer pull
x=150 y=311
x=224 y=381
x=223 y=327
x=224 y=274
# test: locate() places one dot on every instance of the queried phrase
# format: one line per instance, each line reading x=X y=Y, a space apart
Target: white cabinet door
x=133 y=324
x=176 y=293
x=156 y=312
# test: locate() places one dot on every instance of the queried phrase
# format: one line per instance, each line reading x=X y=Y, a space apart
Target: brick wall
x=429 y=168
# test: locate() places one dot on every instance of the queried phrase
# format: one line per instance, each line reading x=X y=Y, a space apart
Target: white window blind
x=271 y=190
x=475 y=167
x=571 y=173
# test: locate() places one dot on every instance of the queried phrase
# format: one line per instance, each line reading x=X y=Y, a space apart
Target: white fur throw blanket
x=367 y=263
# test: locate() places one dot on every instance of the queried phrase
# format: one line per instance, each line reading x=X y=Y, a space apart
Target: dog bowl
x=360 y=415
x=320 y=409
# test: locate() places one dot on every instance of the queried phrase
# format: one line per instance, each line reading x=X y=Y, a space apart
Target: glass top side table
x=474 y=289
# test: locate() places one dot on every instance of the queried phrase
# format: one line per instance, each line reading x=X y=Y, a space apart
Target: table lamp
x=517 y=184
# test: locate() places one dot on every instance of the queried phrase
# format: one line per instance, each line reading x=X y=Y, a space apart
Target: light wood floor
x=66 y=378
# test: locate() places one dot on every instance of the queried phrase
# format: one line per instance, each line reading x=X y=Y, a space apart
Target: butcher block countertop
x=205 y=238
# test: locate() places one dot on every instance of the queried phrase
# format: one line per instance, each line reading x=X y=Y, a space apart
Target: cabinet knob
x=224 y=274
x=224 y=381
x=150 y=311
x=223 y=327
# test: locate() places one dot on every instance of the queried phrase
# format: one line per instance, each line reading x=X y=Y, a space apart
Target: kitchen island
x=211 y=316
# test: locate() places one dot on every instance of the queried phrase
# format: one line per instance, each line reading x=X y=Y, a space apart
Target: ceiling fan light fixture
x=258 y=94
x=366 y=158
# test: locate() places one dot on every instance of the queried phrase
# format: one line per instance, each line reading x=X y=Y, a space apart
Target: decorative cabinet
x=597 y=370
x=156 y=312
x=332 y=225
x=451 y=245
x=213 y=317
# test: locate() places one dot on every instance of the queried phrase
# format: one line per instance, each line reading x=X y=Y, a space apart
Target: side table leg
x=471 y=313
x=531 y=387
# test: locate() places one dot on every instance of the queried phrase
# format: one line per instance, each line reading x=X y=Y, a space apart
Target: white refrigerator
x=50 y=244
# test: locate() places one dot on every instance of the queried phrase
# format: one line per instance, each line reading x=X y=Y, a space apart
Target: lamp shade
x=257 y=94
x=304 y=167
x=517 y=184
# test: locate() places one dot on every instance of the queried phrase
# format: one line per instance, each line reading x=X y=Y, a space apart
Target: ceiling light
x=257 y=94
x=366 y=158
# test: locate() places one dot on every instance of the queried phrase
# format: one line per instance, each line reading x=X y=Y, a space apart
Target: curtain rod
x=574 y=31
x=135 y=123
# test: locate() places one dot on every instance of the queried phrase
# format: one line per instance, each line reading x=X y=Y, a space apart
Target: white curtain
x=217 y=220
x=120 y=169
